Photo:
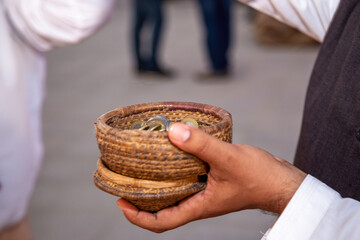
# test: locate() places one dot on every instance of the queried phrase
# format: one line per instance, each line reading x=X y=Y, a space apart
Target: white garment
x=312 y=17
x=27 y=28
x=315 y=211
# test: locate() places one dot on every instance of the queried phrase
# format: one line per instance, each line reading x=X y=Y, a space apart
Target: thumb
x=198 y=143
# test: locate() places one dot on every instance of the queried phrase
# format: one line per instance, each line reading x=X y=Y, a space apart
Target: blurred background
x=264 y=92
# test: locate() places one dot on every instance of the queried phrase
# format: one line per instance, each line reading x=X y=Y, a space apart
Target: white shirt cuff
x=304 y=212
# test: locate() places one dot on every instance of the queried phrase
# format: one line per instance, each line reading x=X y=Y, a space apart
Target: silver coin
x=190 y=122
x=168 y=124
x=157 y=123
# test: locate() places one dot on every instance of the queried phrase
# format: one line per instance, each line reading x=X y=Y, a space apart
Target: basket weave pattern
x=143 y=166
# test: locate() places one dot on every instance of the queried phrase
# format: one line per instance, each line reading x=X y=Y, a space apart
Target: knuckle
x=232 y=151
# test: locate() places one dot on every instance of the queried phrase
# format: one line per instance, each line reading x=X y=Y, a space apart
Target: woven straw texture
x=143 y=166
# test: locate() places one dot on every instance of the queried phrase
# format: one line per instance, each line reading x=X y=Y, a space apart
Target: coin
x=168 y=125
x=145 y=127
x=157 y=123
x=155 y=127
x=137 y=124
x=190 y=121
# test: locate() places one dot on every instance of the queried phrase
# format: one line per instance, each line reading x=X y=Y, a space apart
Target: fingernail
x=179 y=132
x=126 y=206
x=121 y=204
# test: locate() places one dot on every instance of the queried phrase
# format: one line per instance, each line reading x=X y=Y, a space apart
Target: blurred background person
x=217 y=21
x=27 y=30
x=148 y=15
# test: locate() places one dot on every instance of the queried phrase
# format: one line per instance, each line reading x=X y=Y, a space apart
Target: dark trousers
x=148 y=13
x=217 y=19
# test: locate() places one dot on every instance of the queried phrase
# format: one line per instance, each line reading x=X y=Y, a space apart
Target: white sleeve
x=317 y=212
x=311 y=17
x=45 y=24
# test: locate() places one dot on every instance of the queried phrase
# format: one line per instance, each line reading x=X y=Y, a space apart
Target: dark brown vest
x=329 y=144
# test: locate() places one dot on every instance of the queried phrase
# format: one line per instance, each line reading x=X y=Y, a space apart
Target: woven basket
x=144 y=167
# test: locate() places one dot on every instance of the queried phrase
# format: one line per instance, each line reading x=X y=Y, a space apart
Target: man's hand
x=240 y=177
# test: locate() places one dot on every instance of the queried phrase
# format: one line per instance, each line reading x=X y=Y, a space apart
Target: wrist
x=285 y=190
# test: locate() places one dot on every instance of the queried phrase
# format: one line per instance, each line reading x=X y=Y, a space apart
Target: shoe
x=140 y=71
x=213 y=74
x=159 y=72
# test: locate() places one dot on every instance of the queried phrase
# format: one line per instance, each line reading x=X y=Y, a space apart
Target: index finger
x=188 y=210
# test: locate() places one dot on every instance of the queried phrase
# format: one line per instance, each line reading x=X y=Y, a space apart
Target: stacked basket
x=144 y=167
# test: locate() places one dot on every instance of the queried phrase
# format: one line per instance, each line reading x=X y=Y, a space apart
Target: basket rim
x=140 y=183
x=224 y=115
x=104 y=179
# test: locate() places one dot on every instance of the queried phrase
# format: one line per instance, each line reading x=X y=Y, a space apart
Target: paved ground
x=265 y=96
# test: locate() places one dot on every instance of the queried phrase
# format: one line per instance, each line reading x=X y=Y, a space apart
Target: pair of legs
x=217 y=19
x=148 y=13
